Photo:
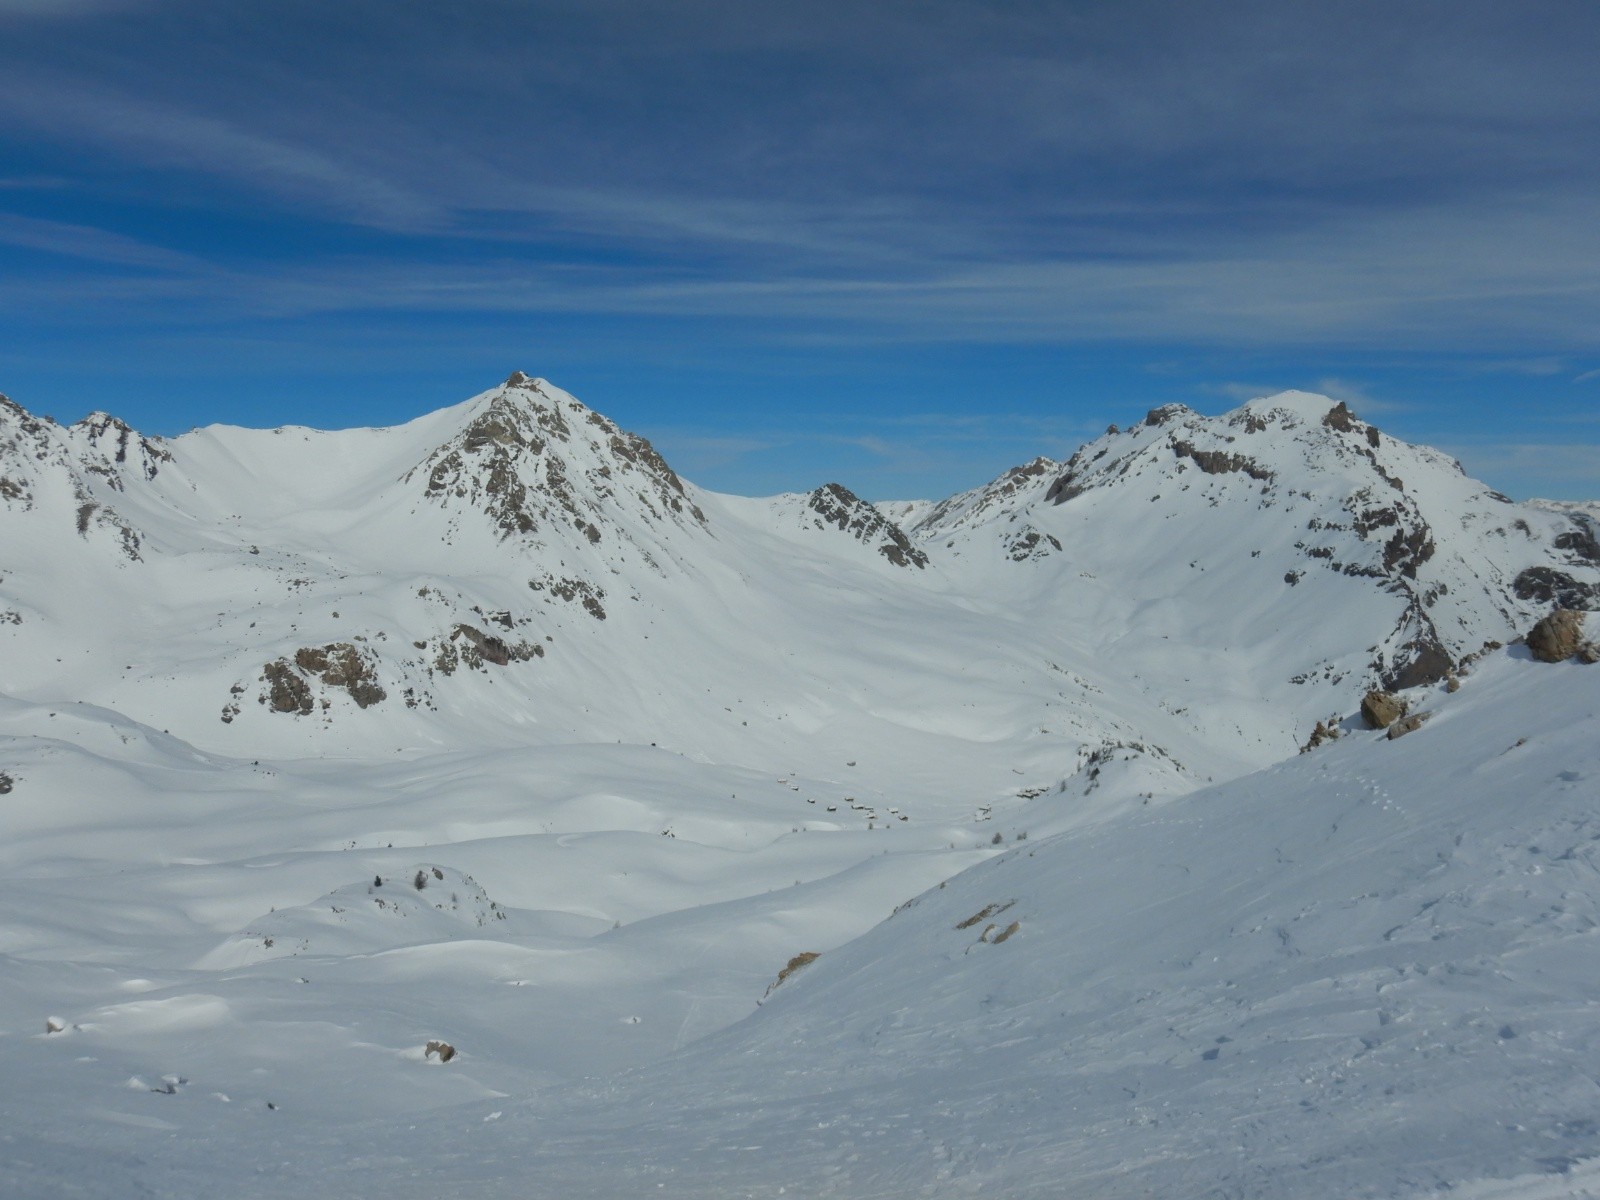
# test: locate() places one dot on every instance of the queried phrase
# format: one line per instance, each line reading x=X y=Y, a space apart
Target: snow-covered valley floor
x=1369 y=971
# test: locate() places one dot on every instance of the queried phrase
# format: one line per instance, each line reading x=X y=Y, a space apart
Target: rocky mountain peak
x=1312 y=497
x=1166 y=414
x=19 y=426
x=537 y=462
x=113 y=446
x=1290 y=433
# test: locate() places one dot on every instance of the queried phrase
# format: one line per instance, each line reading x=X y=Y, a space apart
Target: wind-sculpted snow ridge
x=1302 y=507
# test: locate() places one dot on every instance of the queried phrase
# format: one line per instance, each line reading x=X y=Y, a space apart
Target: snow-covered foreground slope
x=1368 y=971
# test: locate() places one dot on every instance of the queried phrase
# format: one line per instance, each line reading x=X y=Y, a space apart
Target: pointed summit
x=120 y=447
x=539 y=464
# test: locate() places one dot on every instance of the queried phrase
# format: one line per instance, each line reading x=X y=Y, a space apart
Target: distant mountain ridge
x=527 y=539
x=1461 y=563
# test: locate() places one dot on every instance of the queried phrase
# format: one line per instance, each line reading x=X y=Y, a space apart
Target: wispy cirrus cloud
x=93 y=245
x=1376 y=282
x=159 y=134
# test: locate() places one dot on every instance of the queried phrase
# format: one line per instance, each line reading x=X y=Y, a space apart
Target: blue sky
x=900 y=245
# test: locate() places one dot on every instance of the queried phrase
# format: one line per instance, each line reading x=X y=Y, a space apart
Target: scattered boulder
x=477 y=650
x=1326 y=731
x=1407 y=724
x=6 y=783
x=1557 y=637
x=443 y=1051
x=1382 y=709
x=1421 y=661
x=803 y=959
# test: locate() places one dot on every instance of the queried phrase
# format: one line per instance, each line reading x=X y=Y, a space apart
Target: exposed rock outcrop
x=1420 y=661
x=1325 y=732
x=443 y=1051
x=1166 y=413
x=841 y=508
x=1409 y=723
x=470 y=647
x=341 y=665
x=287 y=691
x=581 y=590
x=120 y=448
x=1547 y=585
x=1557 y=637
x=1029 y=543
x=1382 y=709
x=1219 y=462
x=337 y=665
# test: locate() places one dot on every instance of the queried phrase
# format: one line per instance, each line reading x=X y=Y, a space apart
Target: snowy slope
x=1365 y=972
x=1369 y=971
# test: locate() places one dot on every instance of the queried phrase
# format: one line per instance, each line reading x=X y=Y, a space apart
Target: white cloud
x=161 y=134
x=86 y=242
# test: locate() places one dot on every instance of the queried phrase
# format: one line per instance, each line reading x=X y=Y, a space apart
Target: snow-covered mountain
x=1291 y=491
x=319 y=746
